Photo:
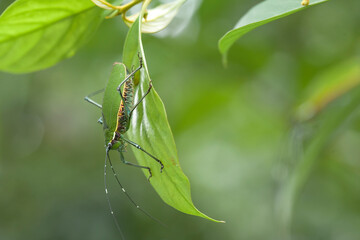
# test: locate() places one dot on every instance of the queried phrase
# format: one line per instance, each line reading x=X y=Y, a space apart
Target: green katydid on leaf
x=264 y=12
x=36 y=34
x=116 y=112
x=151 y=130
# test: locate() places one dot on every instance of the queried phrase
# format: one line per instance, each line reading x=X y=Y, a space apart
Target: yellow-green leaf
x=36 y=34
x=264 y=12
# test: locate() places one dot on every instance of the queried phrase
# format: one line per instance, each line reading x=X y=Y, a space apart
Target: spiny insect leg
x=142 y=98
x=140 y=148
x=89 y=100
x=130 y=75
x=135 y=165
x=107 y=158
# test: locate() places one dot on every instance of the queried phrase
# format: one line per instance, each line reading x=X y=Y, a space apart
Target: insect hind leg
x=134 y=165
x=107 y=158
x=140 y=148
x=130 y=76
x=141 y=99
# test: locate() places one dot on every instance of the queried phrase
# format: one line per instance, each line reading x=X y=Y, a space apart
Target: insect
x=117 y=109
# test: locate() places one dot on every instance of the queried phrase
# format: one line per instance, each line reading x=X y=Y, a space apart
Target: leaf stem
x=121 y=10
x=124 y=8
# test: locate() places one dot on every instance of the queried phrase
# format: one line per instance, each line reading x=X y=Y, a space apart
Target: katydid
x=117 y=109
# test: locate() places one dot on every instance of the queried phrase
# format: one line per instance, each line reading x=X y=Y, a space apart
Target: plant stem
x=124 y=8
x=333 y=121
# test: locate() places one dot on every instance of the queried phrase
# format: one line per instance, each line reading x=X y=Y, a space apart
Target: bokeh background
x=233 y=128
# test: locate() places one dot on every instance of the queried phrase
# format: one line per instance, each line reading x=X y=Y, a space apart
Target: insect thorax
x=116 y=142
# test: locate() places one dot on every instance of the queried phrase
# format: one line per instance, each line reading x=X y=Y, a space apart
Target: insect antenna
x=107 y=158
x=108 y=198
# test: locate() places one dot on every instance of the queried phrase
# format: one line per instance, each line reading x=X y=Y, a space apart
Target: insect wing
x=111 y=101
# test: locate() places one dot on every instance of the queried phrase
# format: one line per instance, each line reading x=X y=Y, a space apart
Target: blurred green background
x=233 y=127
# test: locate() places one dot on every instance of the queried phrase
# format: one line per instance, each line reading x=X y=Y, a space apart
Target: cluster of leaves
x=37 y=34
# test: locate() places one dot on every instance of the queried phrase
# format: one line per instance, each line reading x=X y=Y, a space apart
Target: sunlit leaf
x=264 y=12
x=151 y=130
x=36 y=34
x=158 y=18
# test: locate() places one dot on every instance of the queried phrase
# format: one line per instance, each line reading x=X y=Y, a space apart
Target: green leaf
x=36 y=34
x=111 y=100
x=151 y=130
x=261 y=14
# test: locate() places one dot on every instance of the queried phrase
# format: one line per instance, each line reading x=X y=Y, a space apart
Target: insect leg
x=88 y=99
x=135 y=165
x=129 y=76
x=140 y=148
x=107 y=158
x=142 y=98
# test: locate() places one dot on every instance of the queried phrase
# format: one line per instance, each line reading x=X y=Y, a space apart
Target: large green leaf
x=151 y=130
x=261 y=14
x=36 y=34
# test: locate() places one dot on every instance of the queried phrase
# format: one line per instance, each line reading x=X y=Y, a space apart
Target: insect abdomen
x=123 y=114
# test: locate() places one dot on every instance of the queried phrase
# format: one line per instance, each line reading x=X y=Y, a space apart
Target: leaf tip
x=218 y=221
x=209 y=218
x=223 y=49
